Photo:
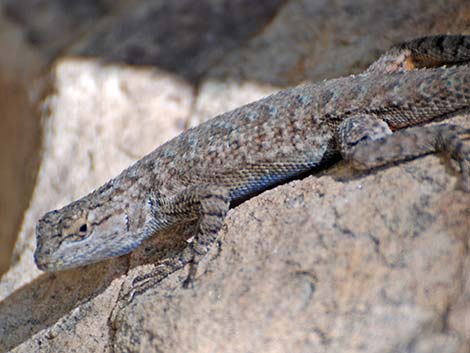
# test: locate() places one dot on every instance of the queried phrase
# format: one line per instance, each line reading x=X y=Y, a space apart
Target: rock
x=186 y=37
x=314 y=40
x=19 y=134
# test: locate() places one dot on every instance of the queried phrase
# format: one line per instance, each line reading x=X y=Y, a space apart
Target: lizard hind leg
x=368 y=143
x=425 y=52
x=208 y=204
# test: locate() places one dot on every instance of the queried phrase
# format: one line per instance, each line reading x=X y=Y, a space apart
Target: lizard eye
x=83 y=228
x=79 y=232
x=75 y=230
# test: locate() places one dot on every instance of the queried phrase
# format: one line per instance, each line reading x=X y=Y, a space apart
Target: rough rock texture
x=317 y=39
x=337 y=262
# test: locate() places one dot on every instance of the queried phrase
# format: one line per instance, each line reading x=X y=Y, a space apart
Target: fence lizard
x=198 y=174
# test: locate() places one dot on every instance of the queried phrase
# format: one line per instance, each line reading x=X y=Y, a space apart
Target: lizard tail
x=426 y=52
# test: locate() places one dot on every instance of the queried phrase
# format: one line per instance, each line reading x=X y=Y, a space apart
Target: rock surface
x=337 y=262
x=19 y=134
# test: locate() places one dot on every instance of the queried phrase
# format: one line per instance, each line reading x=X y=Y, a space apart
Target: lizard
x=370 y=119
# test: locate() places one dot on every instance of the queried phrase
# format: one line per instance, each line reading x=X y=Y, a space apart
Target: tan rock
x=19 y=134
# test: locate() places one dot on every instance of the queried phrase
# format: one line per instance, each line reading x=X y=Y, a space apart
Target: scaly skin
x=198 y=174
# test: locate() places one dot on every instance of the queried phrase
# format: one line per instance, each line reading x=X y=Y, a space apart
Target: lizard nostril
x=83 y=228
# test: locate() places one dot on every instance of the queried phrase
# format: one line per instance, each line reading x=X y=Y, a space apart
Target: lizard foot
x=452 y=139
x=367 y=144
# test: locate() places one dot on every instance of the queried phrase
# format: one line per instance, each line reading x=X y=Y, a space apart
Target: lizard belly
x=261 y=178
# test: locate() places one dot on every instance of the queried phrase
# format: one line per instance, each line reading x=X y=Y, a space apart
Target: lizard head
x=81 y=234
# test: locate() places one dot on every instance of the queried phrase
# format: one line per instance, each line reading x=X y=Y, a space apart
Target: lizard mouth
x=50 y=266
x=42 y=263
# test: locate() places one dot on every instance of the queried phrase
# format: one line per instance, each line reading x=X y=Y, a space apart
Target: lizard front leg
x=368 y=143
x=208 y=204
